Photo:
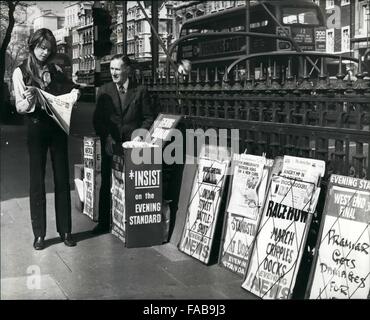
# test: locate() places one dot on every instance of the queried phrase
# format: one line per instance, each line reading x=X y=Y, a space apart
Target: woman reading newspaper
x=43 y=134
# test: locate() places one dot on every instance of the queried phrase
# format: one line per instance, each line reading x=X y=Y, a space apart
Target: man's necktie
x=122 y=89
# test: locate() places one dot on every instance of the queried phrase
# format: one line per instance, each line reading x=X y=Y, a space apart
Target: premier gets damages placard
x=341 y=268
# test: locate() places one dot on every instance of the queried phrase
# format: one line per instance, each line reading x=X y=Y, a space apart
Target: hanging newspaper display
x=118 y=196
x=246 y=197
x=203 y=209
x=341 y=269
x=92 y=176
x=283 y=229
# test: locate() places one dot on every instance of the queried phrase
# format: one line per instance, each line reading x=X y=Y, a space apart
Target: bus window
x=300 y=16
x=259 y=24
x=236 y=29
x=191 y=31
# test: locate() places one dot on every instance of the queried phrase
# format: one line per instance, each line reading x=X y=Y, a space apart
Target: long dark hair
x=34 y=40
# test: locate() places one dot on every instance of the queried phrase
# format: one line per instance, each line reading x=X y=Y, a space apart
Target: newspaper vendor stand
x=137 y=196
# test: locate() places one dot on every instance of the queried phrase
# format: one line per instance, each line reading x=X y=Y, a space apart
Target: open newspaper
x=58 y=107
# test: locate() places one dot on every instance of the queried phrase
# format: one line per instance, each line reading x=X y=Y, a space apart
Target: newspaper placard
x=137 y=195
x=92 y=176
x=282 y=234
x=58 y=107
x=208 y=186
x=162 y=127
x=247 y=178
x=303 y=169
x=143 y=198
x=247 y=194
x=341 y=268
x=118 y=196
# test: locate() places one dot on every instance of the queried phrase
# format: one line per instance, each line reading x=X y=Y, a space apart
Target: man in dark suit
x=122 y=106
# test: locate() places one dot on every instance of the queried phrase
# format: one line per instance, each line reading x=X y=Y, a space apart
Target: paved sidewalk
x=99 y=267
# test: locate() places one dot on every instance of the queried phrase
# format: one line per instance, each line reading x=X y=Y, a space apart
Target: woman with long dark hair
x=44 y=134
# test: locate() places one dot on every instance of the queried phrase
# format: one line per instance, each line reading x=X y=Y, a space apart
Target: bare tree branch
x=7 y=22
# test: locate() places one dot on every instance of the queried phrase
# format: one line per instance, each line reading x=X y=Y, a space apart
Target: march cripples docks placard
x=341 y=267
x=283 y=229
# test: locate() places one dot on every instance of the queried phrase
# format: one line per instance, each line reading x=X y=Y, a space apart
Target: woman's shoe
x=67 y=239
x=39 y=243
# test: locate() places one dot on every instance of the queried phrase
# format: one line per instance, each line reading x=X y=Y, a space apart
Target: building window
x=162 y=27
x=141 y=48
x=346 y=39
x=330 y=40
x=344 y=2
x=169 y=27
x=364 y=18
x=329 y=4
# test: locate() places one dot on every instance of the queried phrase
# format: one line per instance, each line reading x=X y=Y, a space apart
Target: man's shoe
x=67 y=239
x=39 y=243
x=100 y=229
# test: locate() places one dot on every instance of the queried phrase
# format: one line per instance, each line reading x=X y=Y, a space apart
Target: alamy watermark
x=34 y=277
x=180 y=149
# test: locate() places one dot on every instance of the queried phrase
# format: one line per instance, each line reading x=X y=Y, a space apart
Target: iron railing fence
x=327 y=119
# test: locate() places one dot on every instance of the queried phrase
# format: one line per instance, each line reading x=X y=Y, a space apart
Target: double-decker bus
x=302 y=20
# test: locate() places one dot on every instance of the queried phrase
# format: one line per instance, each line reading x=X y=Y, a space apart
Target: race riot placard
x=203 y=209
x=137 y=196
x=341 y=268
x=246 y=197
x=283 y=228
x=92 y=176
